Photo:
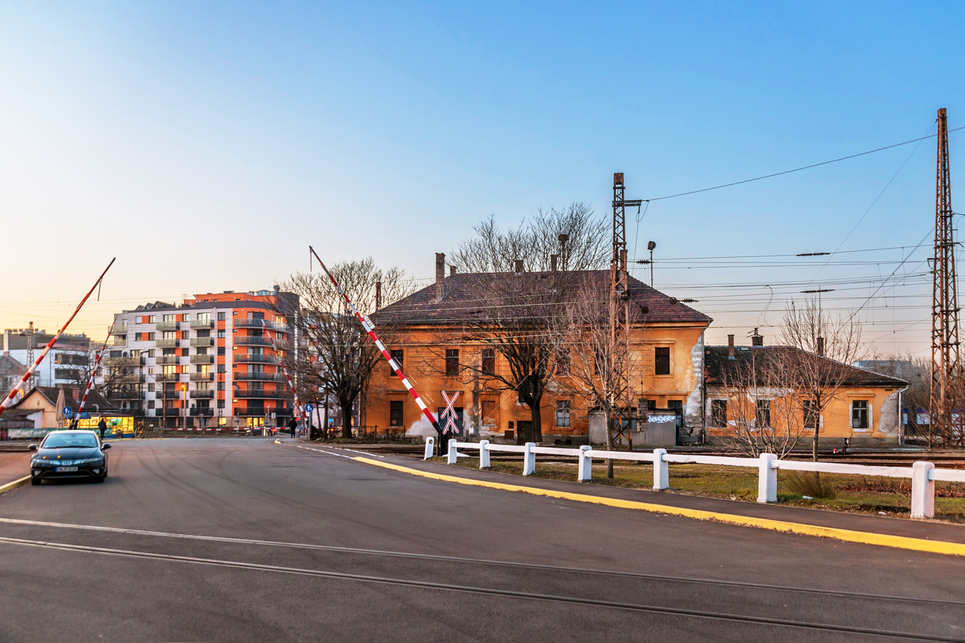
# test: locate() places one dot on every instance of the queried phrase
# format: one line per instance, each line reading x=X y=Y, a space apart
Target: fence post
x=529 y=460
x=484 y=454
x=585 y=472
x=922 y=490
x=767 y=479
x=661 y=470
x=430 y=448
x=453 y=454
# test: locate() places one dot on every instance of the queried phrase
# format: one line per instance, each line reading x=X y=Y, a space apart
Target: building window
x=221 y=316
x=398 y=355
x=185 y=352
x=220 y=404
x=762 y=413
x=185 y=334
x=221 y=350
x=811 y=416
x=563 y=413
x=150 y=388
x=220 y=386
x=221 y=333
x=150 y=404
x=563 y=361
x=150 y=337
x=150 y=319
x=718 y=412
x=489 y=361
x=395 y=413
x=661 y=360
x=452 y=361
x=221 y=368
x=137 y=337
x=859 y=414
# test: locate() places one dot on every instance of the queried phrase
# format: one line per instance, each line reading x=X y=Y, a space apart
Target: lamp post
x=184 y=405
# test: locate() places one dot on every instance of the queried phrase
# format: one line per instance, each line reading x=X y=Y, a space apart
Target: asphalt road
x=249 y=540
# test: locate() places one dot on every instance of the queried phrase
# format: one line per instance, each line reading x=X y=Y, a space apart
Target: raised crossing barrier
x=922 y=474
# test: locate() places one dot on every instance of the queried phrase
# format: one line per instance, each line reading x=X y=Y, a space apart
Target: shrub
x=810 y=483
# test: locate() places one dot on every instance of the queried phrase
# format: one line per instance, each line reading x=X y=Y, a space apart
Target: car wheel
x=100 y=478
x=35 y=481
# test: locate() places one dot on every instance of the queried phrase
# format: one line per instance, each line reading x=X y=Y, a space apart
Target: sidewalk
x=733 y=511
x=14 y=466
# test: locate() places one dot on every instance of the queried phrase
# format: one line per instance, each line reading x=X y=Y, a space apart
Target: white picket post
x=585 y=472
x=453 y=454
x=484 y=454
x=529 y=460
x=767 y=479
x=661 y=470
x=430 y=448
x=922 y=490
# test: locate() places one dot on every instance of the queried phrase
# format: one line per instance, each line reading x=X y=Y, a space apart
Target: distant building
x=67 y=363
x=210 y=361
x=45 y=405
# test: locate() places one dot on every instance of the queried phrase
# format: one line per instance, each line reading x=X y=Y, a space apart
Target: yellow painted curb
x=15 y=484
x=868 y=538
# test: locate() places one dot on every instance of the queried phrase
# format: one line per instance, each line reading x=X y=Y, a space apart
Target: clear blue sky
x=206 y=144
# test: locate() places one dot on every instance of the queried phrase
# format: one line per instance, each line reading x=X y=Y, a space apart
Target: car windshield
x=63 y=440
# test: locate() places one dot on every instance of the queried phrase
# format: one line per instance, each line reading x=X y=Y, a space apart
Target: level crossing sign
x=450 y=427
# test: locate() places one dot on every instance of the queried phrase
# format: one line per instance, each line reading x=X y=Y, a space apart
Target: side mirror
x=105 y=446
x=32 y=447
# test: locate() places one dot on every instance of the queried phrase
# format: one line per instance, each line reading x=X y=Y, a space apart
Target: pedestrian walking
x=292 y=425
x=102 y=426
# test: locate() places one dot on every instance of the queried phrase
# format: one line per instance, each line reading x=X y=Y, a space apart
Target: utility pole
x=619 y=304
x=945 y=367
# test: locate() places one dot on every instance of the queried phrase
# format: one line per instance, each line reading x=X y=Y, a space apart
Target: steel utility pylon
x=946 y=365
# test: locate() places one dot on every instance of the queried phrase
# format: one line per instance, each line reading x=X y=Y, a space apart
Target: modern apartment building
x=213 y=361
x=66 y=364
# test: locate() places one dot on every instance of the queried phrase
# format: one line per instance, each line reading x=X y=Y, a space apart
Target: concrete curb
x=15 y=484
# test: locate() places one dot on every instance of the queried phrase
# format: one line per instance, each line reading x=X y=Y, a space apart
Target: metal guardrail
x=201 y=359
x=922 y=474
x=202 y=341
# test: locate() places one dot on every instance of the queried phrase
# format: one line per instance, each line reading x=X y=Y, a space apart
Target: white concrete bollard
x=585 y=473
x=767 y=479
x=922 y=490
x=430 y=448
x=529 y=460
x=453 y=454
x=661 y=470
x=484 y=454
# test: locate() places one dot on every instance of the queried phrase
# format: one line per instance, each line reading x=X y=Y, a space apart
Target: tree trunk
x=346 y=419
x=536 y=432
x=609 y=442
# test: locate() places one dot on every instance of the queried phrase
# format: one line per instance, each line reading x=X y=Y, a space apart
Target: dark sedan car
x=69 y=454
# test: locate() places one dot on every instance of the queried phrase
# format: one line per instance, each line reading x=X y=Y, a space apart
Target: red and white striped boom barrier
x=298 y=405
x=370 y=329
x=7 y=401
x=93 y=374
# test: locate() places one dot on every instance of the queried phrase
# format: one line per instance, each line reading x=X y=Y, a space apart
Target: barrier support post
x=661 y=470
x=767 y=479
x=430 y=447
x=922 y=490
x=585 y=473
x=484 y=454
x=453 y=454
x=529 y=460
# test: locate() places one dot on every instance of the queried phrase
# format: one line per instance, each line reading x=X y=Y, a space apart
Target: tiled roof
x=720 y=368
x=462 y=303
x=72 y=397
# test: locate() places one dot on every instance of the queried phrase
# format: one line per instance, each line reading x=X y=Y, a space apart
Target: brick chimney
x=440 y=273
x=757 y=339
x=820 y=347
x=452 y=270
x=554 y=261
x=730 y=347
x=6 y=343
x=519 y=266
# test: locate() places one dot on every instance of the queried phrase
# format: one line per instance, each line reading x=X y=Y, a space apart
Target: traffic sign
x=68 y=410
x=309 y=407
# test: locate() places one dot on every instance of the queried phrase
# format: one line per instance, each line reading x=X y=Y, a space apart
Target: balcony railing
x=250 y=322
x=167 y=377
x=170 y=413
x=167 y=343
x=202 y=341
x=130 y=378
x=252 y=341
x=167 y=360
x=201 y=324
x=202 y=412
x=202 y=359
x=202 y=377
x=123 y=361
x=261 y=395
x=167 y=325
x=259 y=358
x=127 y=394
x=119 y=329
x=202 y=395
x=119 y=341
x=260 y=377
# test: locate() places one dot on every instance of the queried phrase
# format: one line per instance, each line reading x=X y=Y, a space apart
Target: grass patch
x=811 y=484
x=855 y=494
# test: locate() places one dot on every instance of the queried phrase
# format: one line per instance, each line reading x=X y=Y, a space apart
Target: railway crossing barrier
x=922 y=474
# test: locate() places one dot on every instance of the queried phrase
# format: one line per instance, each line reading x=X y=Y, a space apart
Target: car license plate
x=66 y=469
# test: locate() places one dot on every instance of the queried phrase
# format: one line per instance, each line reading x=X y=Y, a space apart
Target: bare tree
x=587 y=244
x=334 y=356
x=601 y=366
x=825 y=346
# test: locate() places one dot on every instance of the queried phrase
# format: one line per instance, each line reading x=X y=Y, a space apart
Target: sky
x=205 y=145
